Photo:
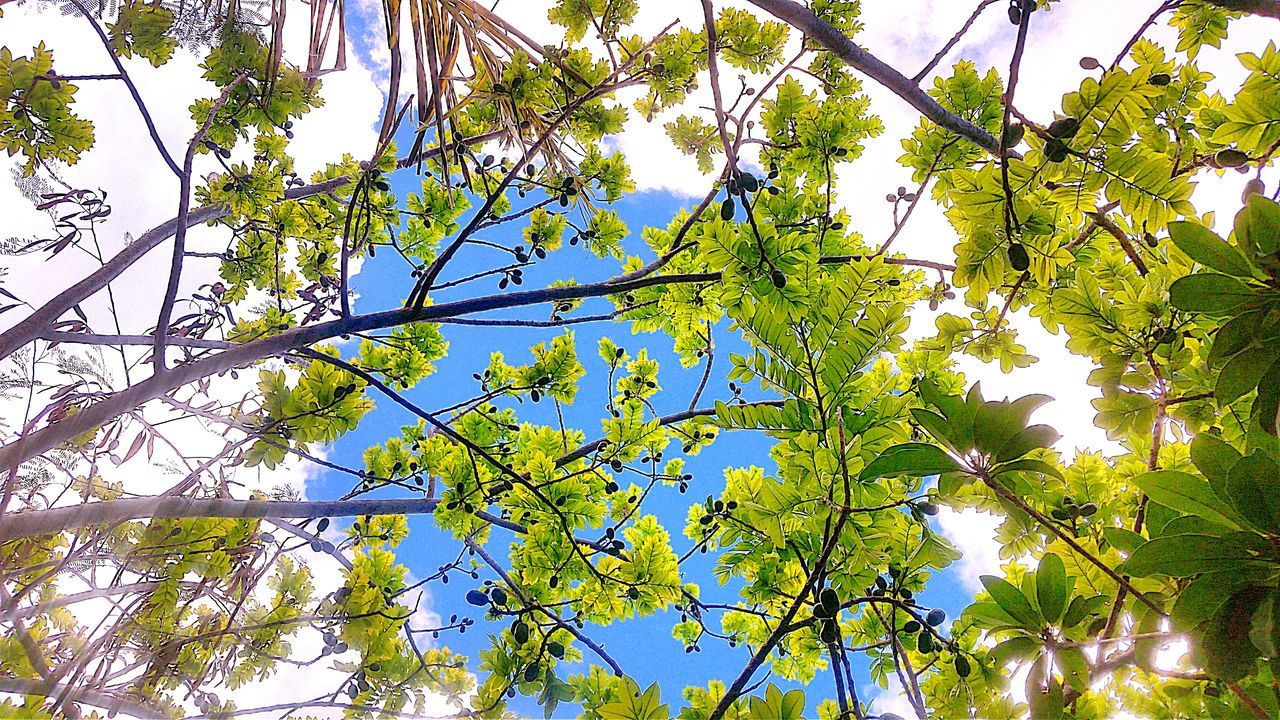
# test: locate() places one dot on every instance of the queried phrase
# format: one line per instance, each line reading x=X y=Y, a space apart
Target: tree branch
x=31 y=327
x=801 y=18
x=87 y=697
x=1266 y=8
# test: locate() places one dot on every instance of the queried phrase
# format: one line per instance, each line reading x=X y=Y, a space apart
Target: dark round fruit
x=1231 y=158
x=1018 y=257
x=477 y=597
x=829 y=600
x=936 y=617
x=924 y=643
x=1064 y=127
x=726 y=209
x=1014 y=134
x=962 y=666
x=1055 y=151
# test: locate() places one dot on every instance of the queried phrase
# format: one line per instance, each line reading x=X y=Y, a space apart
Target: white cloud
x=891 y=700
x=974 y=533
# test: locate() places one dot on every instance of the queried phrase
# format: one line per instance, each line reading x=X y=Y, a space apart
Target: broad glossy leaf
x=993 y=424
x=1203 y=597
x=1235 y=335
x=1262 y=632
x=1213 y=457
x=1014 y=649
x=1253 y=489
x=1012 y=601
x=777 y=706
x=1051 y=588
x=1266 y=406
x=1029 y=465
x=1074 y=667
x=1242 y=373
x=990 y=615
x=1082 y=608
x=1191 y=525
x=636 y=705
x=1026 y=440
x=1257 y=226
x=954 y=409
x=1228 y=652
x=1187 y=494
x=917 y=459
x=938 y=427
x=1044 y=692
x=1146 y=650
x=1187 y=555
x=1202 y=245
x=1209 y=293
x=1123 y=539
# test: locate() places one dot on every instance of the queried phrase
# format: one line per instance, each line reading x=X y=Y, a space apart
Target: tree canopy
x=173 y=591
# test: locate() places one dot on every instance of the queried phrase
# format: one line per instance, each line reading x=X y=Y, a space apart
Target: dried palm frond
x=461 y=43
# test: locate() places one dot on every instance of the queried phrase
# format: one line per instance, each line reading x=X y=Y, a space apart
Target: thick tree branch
x=107 y=512
x=31 y=327
x=1267 y=8
x=801 y=18
x=116 y=404
x=86 y=697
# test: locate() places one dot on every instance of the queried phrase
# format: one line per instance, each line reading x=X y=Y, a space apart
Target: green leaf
x=991 y=615
x=1146 y=649
x=1187 y=555
x=1266 y=406
x=1203 y=597
x=1209 y=293
x=1257 y=226
x=636 y=705
x=1123 y=539
x=916 y=459
x=1019 y=648
x=1237 y=334
x=1187 y=494
x=1227 y=649
x=1253 y=489
x=1213 y=457
x=1242 y=373
x=1202 y=245
x=777 y=706
x=1026 y=440
x=1029 y=465
x=953 y=408
x=1190 y=525
x=1044 y=696
x=1011 y=600
x=1051 y=588
x=994 y=424
x=937 y=426
x=1074 y=667
x=1082 y=608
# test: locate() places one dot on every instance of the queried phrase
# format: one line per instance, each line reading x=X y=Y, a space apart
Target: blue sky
x=644 y=647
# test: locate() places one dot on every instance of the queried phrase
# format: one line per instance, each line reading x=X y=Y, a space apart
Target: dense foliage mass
x=1082 y=220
